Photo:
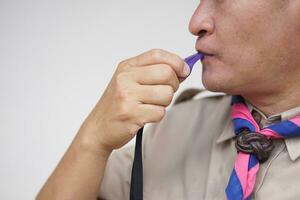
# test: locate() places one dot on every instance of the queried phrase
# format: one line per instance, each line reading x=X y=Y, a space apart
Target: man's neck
x=277 y=102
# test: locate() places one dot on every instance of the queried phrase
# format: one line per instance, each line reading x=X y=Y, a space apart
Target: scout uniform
x=190 y=154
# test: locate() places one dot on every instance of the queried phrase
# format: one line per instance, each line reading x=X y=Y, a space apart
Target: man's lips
x=204 y=49
x=205 y=53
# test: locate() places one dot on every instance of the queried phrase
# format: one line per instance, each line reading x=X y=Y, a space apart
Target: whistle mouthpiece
x=191 y=60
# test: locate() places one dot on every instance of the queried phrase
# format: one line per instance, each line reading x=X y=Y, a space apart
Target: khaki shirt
x=190 y=154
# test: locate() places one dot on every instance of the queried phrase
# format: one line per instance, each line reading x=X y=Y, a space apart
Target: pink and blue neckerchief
x=243 y=176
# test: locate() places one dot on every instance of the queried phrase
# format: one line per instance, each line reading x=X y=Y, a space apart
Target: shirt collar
x=292 y=144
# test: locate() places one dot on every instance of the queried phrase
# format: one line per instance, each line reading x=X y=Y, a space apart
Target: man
x=251 y=49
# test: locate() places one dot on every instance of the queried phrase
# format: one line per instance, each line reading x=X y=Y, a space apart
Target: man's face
x=255 y=44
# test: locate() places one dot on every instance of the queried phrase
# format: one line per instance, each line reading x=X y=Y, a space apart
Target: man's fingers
x=160 y=74
x=148 y=113
x=161 y=95
x=158 y=56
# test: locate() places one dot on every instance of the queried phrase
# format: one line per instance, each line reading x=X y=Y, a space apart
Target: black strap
x=136 y=187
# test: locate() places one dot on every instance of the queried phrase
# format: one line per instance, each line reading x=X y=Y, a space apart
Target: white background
x=56 y=58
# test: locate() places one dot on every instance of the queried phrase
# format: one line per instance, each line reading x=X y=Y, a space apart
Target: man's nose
x=202 y=23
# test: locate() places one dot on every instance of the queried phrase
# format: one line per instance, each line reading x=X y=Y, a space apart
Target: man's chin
x=213 y=89
x=219 y=86
x=216 y=85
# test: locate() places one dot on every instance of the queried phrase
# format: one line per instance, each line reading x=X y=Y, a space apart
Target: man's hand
x=138 y=93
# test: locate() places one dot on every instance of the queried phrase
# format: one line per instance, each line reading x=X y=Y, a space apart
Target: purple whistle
x=191 y=60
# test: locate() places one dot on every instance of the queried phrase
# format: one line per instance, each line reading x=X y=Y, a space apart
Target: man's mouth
x=205 y=54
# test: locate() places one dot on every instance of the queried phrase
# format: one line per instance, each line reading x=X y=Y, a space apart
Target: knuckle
x=120 y=77
x=124 y=65
x=131 y=132
x=120 y=81
x=175 y=88
x=156 y=50
x=124 y=112
x=178 y=61
x=132 y=129
x=141 y=122
x=169 y=90
x=122 y=92
x=160 y=113
x=156 y=54
x=178 y=64
x=167 y=73
x=169 y=94
x=123 y=97
x=123 y=78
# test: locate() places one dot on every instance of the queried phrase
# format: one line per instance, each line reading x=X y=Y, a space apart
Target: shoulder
x=200 y=101
x=196 y=93
x=202 y=112
x=193 y=106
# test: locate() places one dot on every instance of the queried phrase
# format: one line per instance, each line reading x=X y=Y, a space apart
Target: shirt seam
x=267 y=170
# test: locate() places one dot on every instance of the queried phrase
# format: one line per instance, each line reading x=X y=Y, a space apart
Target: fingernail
x=186 y=70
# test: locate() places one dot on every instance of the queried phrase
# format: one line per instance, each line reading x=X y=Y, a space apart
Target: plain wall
x=56 y=58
